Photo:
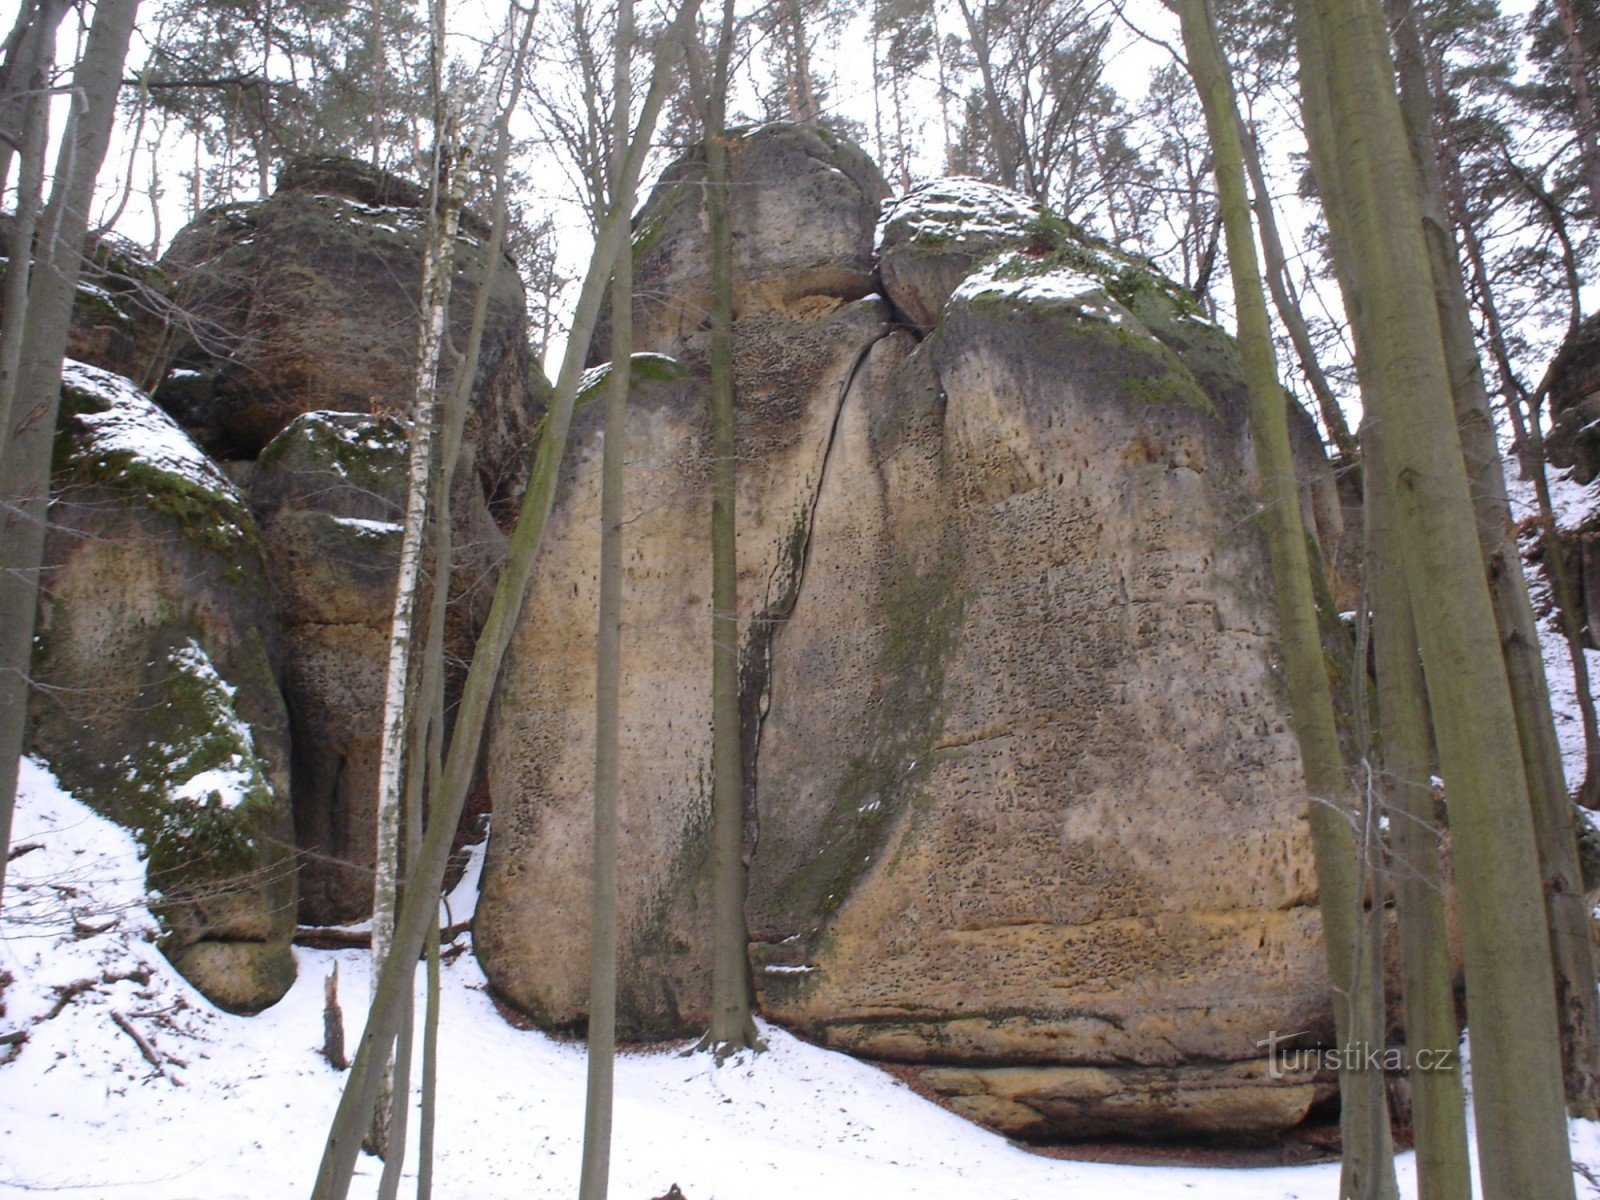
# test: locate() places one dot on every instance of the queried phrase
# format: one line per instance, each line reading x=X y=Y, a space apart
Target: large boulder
x=308 y=301
x=1059 y=824
x=157 y=701
x=121 y=309
x=938 y=234
x=297 y=367
x=532 y=927
x=1023 y=804
x=802 y=207
x=329 y=495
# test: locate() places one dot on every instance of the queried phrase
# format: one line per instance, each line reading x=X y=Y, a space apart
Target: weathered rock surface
x=1023 y=799
x=1151 y=1102
x=157 y=700
x=297 y=366
x=803 y=205
x=329 y=494
x=791 y=376
x=307 y=301
x=121 y=310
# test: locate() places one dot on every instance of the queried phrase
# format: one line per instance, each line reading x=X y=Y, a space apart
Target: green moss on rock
x=112 y=434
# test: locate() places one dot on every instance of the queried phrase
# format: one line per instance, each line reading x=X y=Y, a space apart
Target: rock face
x=158 y=701
x=297 y=367
x=803 y=205
x=329 y=494
x=307 y=301
x=120 y=312
x=1574 y=439
x=1023 y=803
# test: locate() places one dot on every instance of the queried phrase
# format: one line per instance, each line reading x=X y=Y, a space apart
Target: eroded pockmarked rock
x=1023 y=801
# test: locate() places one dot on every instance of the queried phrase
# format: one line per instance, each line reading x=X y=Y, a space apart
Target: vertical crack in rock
x=788 y=575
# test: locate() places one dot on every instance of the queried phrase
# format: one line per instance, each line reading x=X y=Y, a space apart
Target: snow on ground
x=237 y=1106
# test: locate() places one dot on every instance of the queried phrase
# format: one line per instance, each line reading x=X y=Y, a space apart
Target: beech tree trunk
x=1406 y=388
x=594 y=1177
x=1567 y=915
x=1438 y=1106
x=1368 y=1153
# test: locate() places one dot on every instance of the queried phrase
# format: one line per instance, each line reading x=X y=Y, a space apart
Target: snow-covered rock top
x=131 y=428
x=957 y=211
x=1014 y=277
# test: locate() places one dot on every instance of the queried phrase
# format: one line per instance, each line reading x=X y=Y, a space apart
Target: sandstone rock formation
x=295 y=364
x=157 y=701
x=1022 y=794
x=307 y=301
x=803 y=204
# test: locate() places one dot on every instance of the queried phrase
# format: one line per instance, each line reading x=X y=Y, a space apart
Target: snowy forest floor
x=130 y=1085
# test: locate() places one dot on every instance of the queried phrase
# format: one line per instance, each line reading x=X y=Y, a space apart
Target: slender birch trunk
x=595 y=1173
x=1406 y=386
x=1368 y=1158
x=25 y=464
x=449 y=181
x=448 y=796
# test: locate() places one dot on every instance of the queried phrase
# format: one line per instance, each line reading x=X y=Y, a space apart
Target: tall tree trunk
x=1584 y=125
x=1438 y=1106
x=399 y=693
x=1352 y=965
x=19 y=266
x=732 y=1025
x=1406 y=388
x=1277 y=276
x=449 y=795
x=1005 y=151
x=803 y=103
x=594 y=1178
x=1572 y=948
x=25 y=465
x=29 y=53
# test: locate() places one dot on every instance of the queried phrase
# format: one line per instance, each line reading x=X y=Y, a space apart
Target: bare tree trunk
x=399 y=693
x=1289 y=313
x=19 y=267
x=803 y=106
x=732 y=1025
x=1406 y=387
x=1438 y=1106
x=29 y=53
x=1005 y=151
x=449 y=795
x=1572 y=948
x=25 y=465
x=1368 y=1162
x=595 y=1174
x=1583 y=100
